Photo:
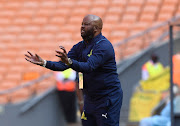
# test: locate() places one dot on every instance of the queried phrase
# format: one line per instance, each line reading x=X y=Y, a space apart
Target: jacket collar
x=94 y=40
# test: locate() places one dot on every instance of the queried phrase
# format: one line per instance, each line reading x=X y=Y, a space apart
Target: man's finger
x=37 y=63
x=59 y=56
x=28 y=60
x=30 y=53
x=38 y=56
x=27 y=56
x=64 y=50
x=59 y=52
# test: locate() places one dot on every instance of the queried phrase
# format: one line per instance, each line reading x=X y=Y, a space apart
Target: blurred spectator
x=152 y=67
x=66 y=86
x=176 y=68
x=165 y=115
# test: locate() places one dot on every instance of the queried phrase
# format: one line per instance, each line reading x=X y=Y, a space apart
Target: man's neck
x=90 y=39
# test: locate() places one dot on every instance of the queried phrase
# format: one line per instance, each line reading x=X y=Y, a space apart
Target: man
x=152 y=68
x=66 y=89
x=95 y=58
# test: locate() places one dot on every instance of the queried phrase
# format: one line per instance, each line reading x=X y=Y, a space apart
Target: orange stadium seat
x=13 y=29
x=4 y=99
x=51 y=28
x=62 y=11
x=34 y=24
x=31 y=29
x=2 y=71
x=129 y=18
x=76 y=37
x=57 y=20
x=76 y=20
x=20 y=95
x=5 y=21
x=138 y=27
x=14 y=5
x=83 y=3
x=117 y=36
x=27 y=12
x=100 y=11
x=45 y=85
x=136 y=2
x=164 y=16
x=171 y=2
x=31 y=4
x=137 y=42
x=150 y=9
x=133 y=9
x=107 y=27
x=8 y=84
x=48 y=4
x=13 y=76
x=167 y=10
x=119 y=3
x=67 y=3
x=45 y=36
x=114 y=10
x=147 y=17
x=100 y=3
x=149 y=13
x=80 y=12
x=16 y=68
x=130 y=50
x=154 y=2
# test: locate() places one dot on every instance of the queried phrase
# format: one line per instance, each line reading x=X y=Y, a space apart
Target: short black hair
x=154 y=58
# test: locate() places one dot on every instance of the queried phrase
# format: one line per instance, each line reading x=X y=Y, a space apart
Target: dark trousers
x=68 y=104
x=103 y=112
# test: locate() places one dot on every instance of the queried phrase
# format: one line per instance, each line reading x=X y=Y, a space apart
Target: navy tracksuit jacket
x=96 y=60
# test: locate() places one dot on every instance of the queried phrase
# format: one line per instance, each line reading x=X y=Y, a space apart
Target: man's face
x=87 y=29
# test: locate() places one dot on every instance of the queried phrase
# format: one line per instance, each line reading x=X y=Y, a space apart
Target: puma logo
x=104 y=115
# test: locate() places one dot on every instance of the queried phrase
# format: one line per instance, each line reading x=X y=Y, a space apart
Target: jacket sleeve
x=101 y=53
x=56 y=66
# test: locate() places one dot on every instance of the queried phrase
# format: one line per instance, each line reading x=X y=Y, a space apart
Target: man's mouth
x=82 y=31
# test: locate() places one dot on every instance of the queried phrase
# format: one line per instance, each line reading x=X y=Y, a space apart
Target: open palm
x=35 y=59
x=62 y=54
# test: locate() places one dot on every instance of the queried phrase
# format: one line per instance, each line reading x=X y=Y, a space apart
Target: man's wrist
x=69 y=62
x=44 y=63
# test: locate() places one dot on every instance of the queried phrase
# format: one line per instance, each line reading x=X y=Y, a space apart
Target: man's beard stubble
x=89 y=35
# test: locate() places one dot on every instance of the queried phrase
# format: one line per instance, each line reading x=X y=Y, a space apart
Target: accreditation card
x=80 y=80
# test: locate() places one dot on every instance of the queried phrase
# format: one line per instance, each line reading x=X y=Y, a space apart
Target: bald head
x=91 y=27
x=95 y=20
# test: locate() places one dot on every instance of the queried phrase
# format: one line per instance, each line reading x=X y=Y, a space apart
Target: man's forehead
x=88 y=19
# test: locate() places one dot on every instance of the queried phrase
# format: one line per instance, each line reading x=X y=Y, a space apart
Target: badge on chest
x=90 y=53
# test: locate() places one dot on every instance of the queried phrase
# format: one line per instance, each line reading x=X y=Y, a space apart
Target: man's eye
x=86 y=24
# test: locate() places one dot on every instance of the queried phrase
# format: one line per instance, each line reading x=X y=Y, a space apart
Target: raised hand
x=35 y=59
x=63 y=55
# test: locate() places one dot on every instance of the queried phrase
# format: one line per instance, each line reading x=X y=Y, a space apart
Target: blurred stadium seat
x=41 y=26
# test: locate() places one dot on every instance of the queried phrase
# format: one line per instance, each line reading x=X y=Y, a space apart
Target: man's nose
x=82 y=26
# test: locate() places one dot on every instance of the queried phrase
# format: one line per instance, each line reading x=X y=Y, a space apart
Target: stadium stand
x=41 y=26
